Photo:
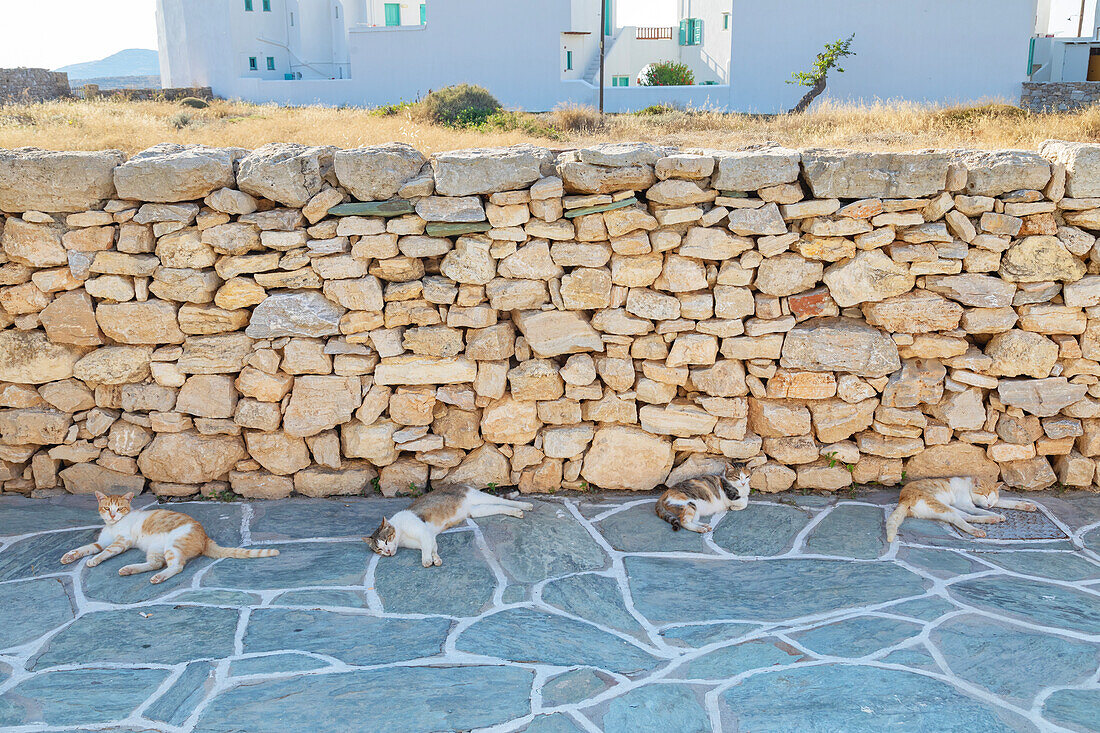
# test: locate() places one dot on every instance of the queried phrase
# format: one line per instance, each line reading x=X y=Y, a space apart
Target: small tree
x=667 y=74
x=816 y=78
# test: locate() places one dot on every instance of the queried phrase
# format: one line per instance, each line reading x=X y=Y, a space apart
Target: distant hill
x=120 y=82
x=131 y=62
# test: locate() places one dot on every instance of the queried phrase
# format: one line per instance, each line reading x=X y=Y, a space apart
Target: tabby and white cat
x=704 y=496
x=430 y=514
x=958 y=501
x=169 y=539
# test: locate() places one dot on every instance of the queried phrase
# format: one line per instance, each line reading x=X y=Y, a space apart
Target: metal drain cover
x=1021 y=526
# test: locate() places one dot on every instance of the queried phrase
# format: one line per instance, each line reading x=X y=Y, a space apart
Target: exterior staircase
x=592 y=71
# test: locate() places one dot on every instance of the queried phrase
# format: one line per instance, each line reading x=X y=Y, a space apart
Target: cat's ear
x=385 y=523
x=128 y=496
x=100 y=496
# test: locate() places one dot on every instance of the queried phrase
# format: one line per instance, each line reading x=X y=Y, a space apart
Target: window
x=337 y=12
x=393 y=14
x=691 y=31
x=248 y=6
x=252 y=66
x=267 y=6
x=292 y=20
x=271 y=63
x=423 y=13
x=620 y=81
x=568 y=60
x=725 y=21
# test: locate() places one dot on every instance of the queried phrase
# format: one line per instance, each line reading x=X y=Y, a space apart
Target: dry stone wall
x=32 y=85
x=328 y=321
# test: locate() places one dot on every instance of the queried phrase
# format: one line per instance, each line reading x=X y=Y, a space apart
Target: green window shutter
x=725 y=21
x=696 y=31
x=423 y=13
x=684 y=31
x=271 y=63
x=252 y=66
x=267 y=6
x=568 y=60
x=248 y=6
x=393 y=14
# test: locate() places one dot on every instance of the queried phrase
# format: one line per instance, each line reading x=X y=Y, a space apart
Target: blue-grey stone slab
x=938 y=534
x=827 y=698
x=289 y=662
x=1091 y=539
x=856 y=637
x=639 y=529
x=165 y=635
x=593 y=597
x=462 y=586
x=322 y=599
x=926 y=609
x=657 y=708
x=590 y=509
x=527 y=635
x=103 y=583
x=218 y=597
x=546 y=543
x=298 y=519
x=22 y=515
x=1026 y=661
x=1077 y=710
x=916 y=657
x=572 y=687
x=353 y=638
x=556 y=723
x=394 y=700
x=105 y=695
x=1075 y=509
x=768 y=590
x=761 y=529
x=940 y=563
x=177 y=704
x=41 y=554
x=812 y=501
x=31 y=608
x=850 y=530
x=1054 y=565
x=701 y=635
x=323 y=563
x=1031 y=600
x=731 y=661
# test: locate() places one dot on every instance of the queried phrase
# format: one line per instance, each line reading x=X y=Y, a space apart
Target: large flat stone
x=1053 y=565
x=846 y=174
x=106 y=695
x=396 y=700
x=322 y=598
x=103 y=583
x=657 y=708
x=596 y=598
x=697 y=635
x=1032 y=601
x=639 y=529
x=336 y=563
x=41 y=554
x=941 y=563
x=22 y=514
x=573 y=687
x=1075 y=709
x=177 y=704
x=772 y=590
x=298 y=519
x=856 y=637
x=546 y=543
x=1027 y=661
x=33 y=608
x=850 y=530
x=352 y=638
x=853 y=698
x=731 y=661
x=45 y=180
x=462 y=588
x=528 y=635
x=169 y=635
x=760 y=529
x=270 y=663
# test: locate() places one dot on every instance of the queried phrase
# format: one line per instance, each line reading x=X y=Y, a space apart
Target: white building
x=537 y=54
x=1066 y=46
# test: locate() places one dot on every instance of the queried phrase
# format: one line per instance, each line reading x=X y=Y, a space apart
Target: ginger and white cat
x=418 y=526
x=169 y=539
x=958 y=501
x=704 y=496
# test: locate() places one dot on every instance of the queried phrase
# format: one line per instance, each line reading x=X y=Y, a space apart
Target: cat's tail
x=213 y=549
x=666 y=514
x=893 y=522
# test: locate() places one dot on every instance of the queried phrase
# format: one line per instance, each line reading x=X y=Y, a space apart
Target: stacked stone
x=23 y=85
x=329 y=321
x=1059 y=96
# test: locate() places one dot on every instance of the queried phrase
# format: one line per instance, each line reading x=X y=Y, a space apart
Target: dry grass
x=133 y=126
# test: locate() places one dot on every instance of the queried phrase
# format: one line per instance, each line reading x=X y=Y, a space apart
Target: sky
x=53 y=33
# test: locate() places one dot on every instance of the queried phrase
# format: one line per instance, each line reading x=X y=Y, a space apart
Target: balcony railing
x=654 y=34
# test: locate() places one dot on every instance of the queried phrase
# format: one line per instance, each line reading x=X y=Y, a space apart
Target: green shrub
x=656 y=109
x=668 y=74
x=389 y=110
x=194 y=103
x=464 y=105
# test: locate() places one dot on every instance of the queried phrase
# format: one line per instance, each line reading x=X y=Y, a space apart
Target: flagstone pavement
x=589 y=614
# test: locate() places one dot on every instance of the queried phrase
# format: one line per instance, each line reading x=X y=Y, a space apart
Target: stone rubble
x=329 y=321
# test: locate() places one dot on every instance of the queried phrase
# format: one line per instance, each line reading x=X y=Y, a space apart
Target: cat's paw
x=998 y=519
x=127 y=570
x=437 y=561
x=1028 y=507
x=704 y=528
x=71 y=556
x=93 y=561
x=158 y=578
x=427 y=563
x=527 y=506
x=978 y=533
